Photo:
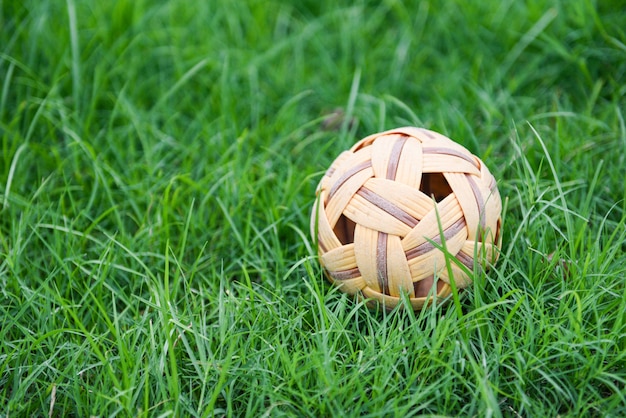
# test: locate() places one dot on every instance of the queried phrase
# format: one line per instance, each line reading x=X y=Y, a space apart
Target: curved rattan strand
x=386 y=207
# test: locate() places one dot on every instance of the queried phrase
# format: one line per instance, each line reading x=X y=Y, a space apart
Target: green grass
x=157 y=169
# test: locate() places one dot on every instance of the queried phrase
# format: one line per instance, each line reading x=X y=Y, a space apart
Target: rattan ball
x=406 y=211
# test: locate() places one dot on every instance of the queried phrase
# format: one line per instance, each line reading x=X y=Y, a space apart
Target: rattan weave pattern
x=386 y=207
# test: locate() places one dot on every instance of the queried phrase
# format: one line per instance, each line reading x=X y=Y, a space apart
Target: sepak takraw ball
x=392 y=208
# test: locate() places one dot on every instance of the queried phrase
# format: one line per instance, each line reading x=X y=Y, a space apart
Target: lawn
x=157 y=171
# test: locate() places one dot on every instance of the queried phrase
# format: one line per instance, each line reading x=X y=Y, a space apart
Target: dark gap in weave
x=435 y=185
x=422 y=287
x=496 y=238
x=344 y=230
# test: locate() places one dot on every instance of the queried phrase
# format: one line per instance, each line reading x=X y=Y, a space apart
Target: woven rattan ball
x=406 y=211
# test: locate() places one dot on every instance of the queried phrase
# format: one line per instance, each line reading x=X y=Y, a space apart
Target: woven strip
x=386 y=207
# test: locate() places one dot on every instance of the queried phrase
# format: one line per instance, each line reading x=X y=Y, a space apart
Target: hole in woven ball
x=344 y=230
x=436 y=185
x=423 y=287
x=496 y=240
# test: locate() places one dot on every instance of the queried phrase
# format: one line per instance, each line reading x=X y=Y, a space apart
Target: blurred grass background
x=159 y=161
